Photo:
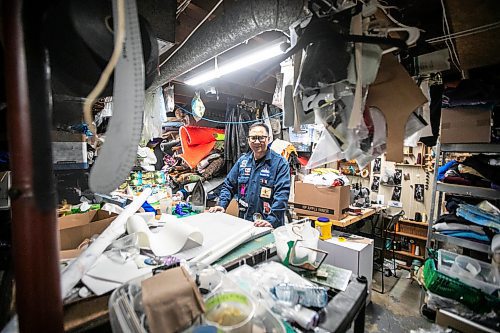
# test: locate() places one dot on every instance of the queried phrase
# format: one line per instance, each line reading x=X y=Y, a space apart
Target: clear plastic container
x=464 y=268
x=230 y=311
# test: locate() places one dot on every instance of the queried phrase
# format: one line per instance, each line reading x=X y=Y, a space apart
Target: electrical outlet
x=4 y=190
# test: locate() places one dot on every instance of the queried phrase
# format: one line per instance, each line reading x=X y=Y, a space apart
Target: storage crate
x=413 y=230
x=453 y=288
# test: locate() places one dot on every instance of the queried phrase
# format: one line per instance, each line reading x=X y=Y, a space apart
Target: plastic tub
x=293 y=232
x=230 y=312
x=448 y=264
x=465 y=266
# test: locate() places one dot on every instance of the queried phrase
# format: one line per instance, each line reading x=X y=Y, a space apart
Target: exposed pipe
x=241 y=21
x=34 y=224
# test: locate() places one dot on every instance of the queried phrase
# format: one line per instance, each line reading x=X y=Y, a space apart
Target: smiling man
x=259 y=181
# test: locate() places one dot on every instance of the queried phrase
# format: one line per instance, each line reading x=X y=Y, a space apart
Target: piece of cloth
x=480 y=163
x=442 y=169
x=458 y=227
x=206 y=161
x=213 y=168
x=467 y=234
x=259 y=187
x=479 y=216
x=197 y=143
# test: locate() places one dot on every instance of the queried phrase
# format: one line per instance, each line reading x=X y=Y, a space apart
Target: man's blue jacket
x=259 y=187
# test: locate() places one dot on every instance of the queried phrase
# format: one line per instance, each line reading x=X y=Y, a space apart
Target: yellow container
x=324 y=227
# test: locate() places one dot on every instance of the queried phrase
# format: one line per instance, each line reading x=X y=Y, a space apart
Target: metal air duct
x=240 y=21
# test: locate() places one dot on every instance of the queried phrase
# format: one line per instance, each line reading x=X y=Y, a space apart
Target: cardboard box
x=62 y=136
x=331 y=202
x=75 y=228
x=355 y=255
x=466 y=125
x=232 y=209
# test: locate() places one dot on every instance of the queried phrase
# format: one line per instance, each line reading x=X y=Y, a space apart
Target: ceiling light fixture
x=252 y=58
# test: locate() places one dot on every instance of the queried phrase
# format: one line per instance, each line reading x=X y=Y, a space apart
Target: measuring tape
x=118 y=154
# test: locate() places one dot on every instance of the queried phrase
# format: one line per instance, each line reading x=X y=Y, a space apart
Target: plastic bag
x=197 y=107
x=154 y=113
x=169 y=98
x=327 y=150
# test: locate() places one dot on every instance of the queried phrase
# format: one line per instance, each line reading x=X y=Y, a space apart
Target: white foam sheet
x=109 y=270
x=99 y=287
x=168 y=240
x=217 y=230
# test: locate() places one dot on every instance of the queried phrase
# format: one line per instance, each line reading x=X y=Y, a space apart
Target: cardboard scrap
x=396 y=95
x=171 y=300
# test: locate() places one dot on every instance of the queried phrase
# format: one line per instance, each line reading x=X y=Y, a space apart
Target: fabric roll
x=197 y=143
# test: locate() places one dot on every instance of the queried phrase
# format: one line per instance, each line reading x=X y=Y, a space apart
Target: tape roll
x=80 y=42
x=365 y=173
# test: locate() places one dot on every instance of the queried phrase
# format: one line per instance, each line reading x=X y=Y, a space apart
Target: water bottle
x=309 y=296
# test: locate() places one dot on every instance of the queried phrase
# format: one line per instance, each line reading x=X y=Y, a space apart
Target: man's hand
x=262 y=223
x=215 y=209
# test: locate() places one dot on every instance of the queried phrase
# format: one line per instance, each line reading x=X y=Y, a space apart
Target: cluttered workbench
x=344 y=307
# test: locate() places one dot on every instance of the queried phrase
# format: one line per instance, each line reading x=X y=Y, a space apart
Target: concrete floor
x=397 y=310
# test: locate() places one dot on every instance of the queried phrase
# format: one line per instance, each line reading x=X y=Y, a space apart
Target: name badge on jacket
x=265 y=192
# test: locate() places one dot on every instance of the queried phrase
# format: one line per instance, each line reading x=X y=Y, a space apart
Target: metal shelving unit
x=440 y=188
x=476 y=246
x=481 y=192
x=471 y=148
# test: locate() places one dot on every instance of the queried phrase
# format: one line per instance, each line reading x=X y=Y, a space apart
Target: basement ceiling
x=473 y=51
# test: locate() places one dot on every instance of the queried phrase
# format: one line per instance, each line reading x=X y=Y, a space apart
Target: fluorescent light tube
x=234 y=65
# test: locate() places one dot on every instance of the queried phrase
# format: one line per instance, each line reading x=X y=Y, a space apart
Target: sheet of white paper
x=107 y=269
x=168 y=240
x=216 y=228
x=99 y=287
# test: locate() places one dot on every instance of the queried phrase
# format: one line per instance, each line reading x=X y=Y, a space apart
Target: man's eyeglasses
x=259 y=138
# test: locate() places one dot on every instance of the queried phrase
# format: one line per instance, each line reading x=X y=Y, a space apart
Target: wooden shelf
x=421 y=224
x=408 y=235
x=408 y=254
x=404 y=266
x=410 y=165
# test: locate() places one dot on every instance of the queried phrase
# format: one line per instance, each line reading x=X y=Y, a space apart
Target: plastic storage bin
x=472 y=272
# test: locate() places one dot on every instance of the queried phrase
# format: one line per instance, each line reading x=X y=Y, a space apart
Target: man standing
x=259 y=181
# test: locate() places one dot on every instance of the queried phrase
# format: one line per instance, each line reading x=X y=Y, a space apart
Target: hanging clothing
x=236 y=143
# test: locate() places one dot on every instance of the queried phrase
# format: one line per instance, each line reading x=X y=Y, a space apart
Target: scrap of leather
x=171 y=301
x=396 y=95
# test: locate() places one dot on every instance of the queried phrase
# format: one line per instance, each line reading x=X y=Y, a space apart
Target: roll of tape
x=365 y=173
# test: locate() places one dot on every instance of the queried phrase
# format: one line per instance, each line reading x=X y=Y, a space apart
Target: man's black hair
x=259 y=124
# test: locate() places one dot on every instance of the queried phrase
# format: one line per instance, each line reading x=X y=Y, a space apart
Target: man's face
x=258 y=139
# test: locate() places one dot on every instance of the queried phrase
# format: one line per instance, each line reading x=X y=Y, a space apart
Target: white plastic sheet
x=78 y=267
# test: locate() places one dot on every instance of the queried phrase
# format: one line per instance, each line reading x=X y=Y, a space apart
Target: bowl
x=230 y=312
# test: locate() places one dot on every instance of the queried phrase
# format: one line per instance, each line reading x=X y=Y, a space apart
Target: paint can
x=324 y=226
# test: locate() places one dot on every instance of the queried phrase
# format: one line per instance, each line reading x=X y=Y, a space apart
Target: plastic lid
x=323 y=219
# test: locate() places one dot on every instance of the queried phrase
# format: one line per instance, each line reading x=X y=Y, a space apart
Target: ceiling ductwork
x=240 y=21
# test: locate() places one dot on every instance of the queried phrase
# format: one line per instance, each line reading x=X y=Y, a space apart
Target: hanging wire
x=230 y=122
x=192 y=32
x=464 y=33
x=448 y=41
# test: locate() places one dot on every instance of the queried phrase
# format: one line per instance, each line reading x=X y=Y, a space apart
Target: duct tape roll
x=119 y=152
x=365 y=173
